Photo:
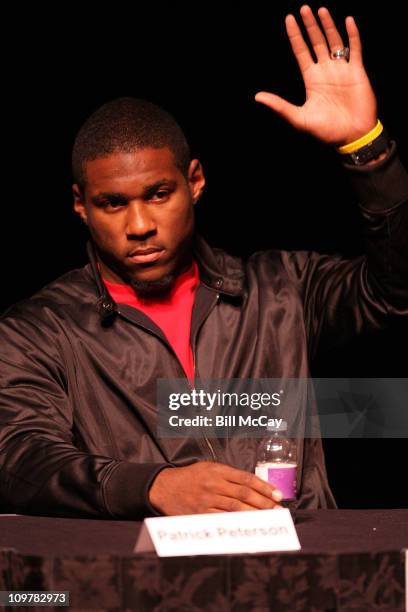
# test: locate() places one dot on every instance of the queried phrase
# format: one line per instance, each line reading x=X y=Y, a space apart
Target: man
x=80 y=359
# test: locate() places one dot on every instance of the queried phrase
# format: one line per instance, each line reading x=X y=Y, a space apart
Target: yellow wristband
x=364 y=140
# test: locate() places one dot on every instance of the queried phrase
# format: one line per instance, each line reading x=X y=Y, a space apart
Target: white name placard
x=218 y=533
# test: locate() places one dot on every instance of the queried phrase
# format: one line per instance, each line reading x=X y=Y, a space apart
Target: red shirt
x=172 y=315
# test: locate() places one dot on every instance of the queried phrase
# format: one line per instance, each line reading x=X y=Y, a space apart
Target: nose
x=139 y=220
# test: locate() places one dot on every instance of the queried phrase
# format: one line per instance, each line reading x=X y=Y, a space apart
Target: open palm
x=340 y=103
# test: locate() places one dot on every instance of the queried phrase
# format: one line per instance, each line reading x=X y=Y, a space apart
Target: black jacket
x=78 y=372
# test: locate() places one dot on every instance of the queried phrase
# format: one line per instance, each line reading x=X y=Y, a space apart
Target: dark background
x=267 y=185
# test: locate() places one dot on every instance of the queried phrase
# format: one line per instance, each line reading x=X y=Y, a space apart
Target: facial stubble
x=153 y=289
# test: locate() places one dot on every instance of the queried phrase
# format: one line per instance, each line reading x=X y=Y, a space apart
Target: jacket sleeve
x=344 y=297
x=41 y=470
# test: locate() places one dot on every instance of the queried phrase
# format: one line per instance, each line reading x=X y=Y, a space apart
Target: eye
x=111 y=203
x=161 y=194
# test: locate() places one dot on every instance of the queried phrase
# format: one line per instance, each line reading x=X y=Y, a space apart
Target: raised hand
x=340 y=103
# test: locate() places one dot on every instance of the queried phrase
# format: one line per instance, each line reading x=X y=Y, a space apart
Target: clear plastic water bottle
x=277 y=461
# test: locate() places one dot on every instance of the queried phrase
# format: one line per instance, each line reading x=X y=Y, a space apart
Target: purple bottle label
x=283 y=476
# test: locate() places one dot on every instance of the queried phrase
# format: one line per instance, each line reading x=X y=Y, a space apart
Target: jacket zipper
x=210 y=446
x=214 y=456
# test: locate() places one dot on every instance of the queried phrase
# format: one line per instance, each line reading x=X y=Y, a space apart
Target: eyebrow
x=147 y=191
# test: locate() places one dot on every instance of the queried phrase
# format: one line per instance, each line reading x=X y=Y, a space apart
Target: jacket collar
x=106 y=305
x=219 y=271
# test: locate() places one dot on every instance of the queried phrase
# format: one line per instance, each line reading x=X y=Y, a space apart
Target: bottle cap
x=272 y=426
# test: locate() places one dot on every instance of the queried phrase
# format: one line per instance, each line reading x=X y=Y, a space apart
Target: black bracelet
x=369 y=151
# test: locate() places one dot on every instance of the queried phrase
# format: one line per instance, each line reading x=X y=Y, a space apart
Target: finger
x=217 y=510
x=290 y=112
x=332 y=34
x=253 y=497
x=297 y=42
x=316 y=36
x=228 y=504
x=251 y=481
x=224 y=503
x=356 y=55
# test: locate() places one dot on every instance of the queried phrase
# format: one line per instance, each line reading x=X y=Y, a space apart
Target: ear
x=196 y=179
x=79 y=204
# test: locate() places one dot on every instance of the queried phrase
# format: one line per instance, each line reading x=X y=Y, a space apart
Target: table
x=351 y=560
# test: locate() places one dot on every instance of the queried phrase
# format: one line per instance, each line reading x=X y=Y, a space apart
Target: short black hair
x=126 y=124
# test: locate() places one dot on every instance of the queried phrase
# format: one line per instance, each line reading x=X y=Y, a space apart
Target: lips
x=145 y=255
